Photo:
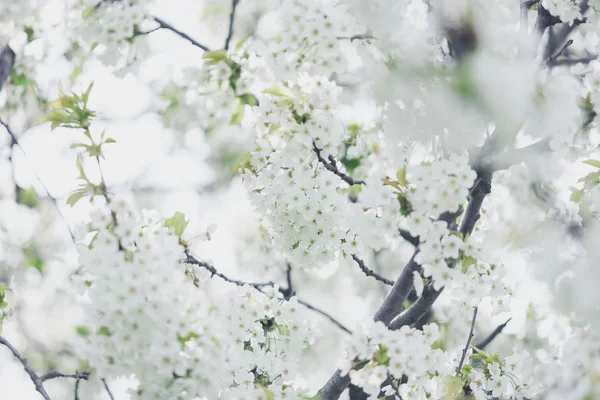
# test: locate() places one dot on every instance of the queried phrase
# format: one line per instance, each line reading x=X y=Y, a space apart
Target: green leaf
x=82 y=174
x=110 y=140
x=239 y=44
x=30 y=34
x=83 y=331
x=33 y=257
x=282 y=91
x=104 y=331
x=18 y=79
x=88 y=12
x=86 y=94
x=28 y=197
x=215 y=55
x=576 y=195
x=243 y=163
x=2 y=292
x=401 y=176
x=184 y=339
x=249 y=99
x=177 y=222
x=238 y=114
x=593 y=163
x=75 y=197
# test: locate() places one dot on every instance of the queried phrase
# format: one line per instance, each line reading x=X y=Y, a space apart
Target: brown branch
x=557 y=53
x=234 y=4
x=331 y=165
x=190 y=259
x=334 y=387
x=485 y=342
x=107 y=389
x=408 y=237
x=7 y=61
x=55 y=374
x=37 y=381
x=326 y=315
x=464 y=353
x=258 y=286
x=165 y=25
x=573 y=61
x=370 y=272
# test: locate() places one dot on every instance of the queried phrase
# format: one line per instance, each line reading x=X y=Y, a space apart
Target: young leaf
x=75 y=197
x=401 y=176
x=242 y=163
x=593 y=163
x=177 y=222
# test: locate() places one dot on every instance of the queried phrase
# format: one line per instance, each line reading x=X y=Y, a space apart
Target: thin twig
x=334 y=387
x=55 y=374
x=37 y=381
x=52 y=198
x=326 y=315
x=370 y=272
x=558 y=52
x=190 y=259
x=107 y=389
x=573 y=61
x=165 y=25
x=258 y=286
x=485 y=342
x=77 y=388
x=234 y=4
x=464 y=353
x=362 y=36
x=331 y=165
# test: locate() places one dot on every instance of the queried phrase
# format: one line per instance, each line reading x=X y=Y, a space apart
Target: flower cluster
x=108 y=29
x=268 y=339
x=306 y=204
x=146 y=318
x=439 y=187
x=491 y=376
x=142 y=311
x=387 y=354
x=309 y=39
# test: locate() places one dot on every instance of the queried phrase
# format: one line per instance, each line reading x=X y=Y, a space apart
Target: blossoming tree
x=409 y=194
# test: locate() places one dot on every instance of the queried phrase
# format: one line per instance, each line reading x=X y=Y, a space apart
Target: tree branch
x=326 y=315
x=55 y=374
x=107 y=389
x=558 y=52
x=558 y=32
x=258 y=286
x=194 y=261
x=331 y=165
x=163 y=24
x=485 y=342
x=573 y=61
x=234 y=4
x=464 y=353
x=370 y=272
x=37 y=381
x=408 y=237
x=509 y=158
x=7 y=61
x=482 y=186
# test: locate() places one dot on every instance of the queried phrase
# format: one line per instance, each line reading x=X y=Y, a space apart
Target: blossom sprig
x=71 y=111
